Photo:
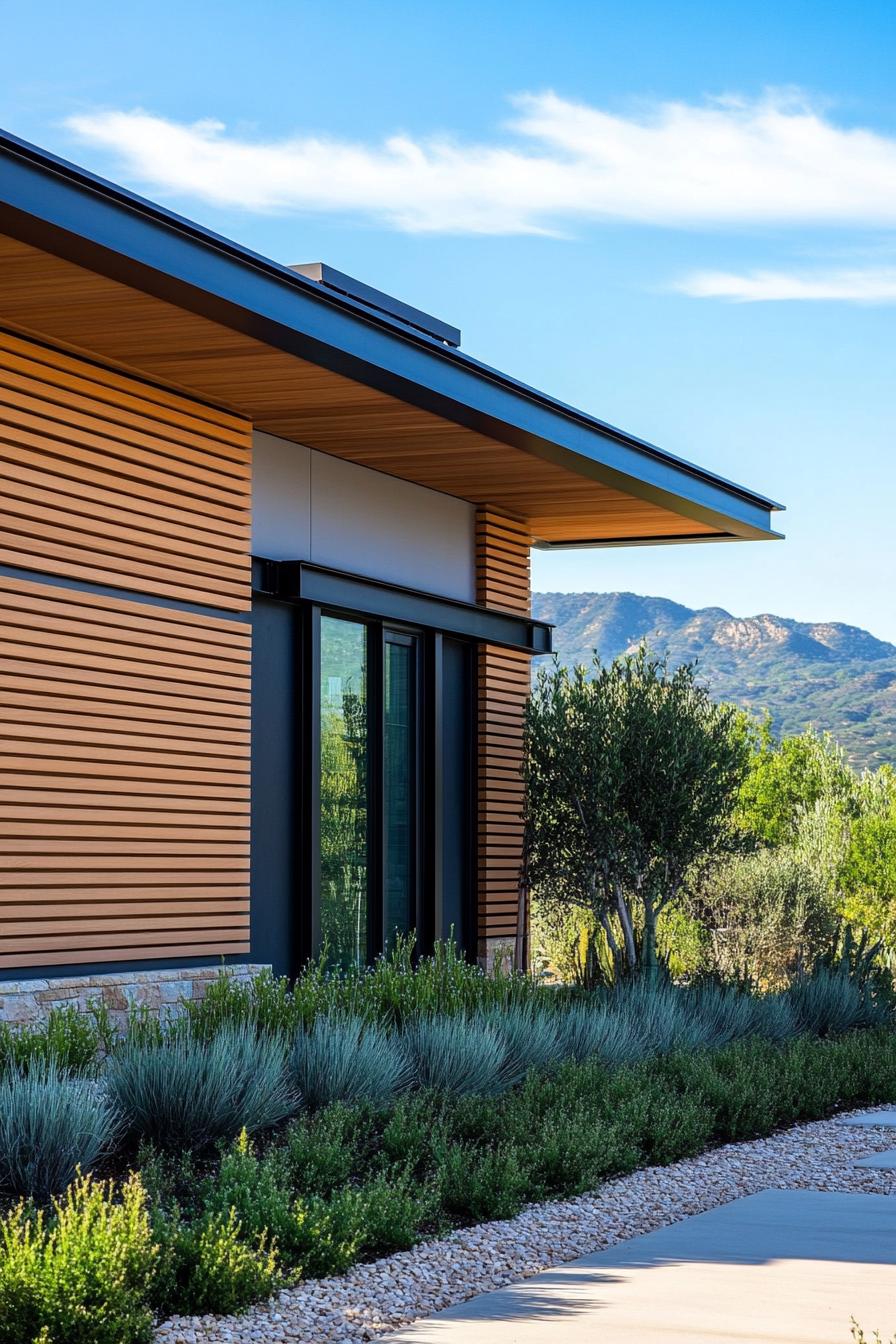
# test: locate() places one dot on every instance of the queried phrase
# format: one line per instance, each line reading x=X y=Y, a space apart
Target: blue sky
x=633 y=207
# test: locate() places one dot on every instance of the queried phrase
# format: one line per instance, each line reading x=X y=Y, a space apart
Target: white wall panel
x=310 y=506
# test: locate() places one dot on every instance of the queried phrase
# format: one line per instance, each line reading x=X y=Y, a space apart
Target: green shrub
x=395 y=1206
x=209 y=1265
x=480 y=1184
x=458 y=1055
x=396 y=990
x=81 y=1275
x=50 y=1125
x=348 y=1060
x=71 y=1039
x=257 y=1189
x=322 y=1150
x=769 y=913
x=406 y=1138
x=189 y=1092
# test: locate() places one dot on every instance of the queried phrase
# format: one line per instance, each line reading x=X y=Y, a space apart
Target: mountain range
x=831 y=676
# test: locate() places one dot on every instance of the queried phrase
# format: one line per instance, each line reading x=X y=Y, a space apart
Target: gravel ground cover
x=373 y=1299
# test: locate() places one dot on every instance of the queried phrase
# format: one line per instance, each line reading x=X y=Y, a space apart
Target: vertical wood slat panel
x=109 y=480
x=124 y=812
x=502 y=581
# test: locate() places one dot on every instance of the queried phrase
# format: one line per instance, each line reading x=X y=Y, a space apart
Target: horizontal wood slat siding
x=110 y=480
x=124 y=780
x=502 y=581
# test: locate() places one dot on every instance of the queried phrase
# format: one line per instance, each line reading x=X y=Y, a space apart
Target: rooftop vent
x=380 y=302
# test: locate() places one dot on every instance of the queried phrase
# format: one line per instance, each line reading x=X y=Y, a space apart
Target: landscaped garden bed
x=276 y=1135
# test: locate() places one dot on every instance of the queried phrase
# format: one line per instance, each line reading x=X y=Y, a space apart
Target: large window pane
x=343 y=790
x=399 y=787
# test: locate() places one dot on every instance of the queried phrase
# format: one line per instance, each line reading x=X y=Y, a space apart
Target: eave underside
x=52 y=298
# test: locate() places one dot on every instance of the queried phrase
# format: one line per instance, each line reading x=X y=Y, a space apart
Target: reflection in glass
x=343 y=791
x=398 y=788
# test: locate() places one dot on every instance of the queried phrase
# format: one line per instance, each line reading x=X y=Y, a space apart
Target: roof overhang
x=566 y=472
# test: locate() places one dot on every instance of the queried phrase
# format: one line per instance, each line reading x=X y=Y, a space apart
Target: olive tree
x=631 y=774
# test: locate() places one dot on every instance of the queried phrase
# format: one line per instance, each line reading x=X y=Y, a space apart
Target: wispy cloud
x=775 y=160
x=871 y=285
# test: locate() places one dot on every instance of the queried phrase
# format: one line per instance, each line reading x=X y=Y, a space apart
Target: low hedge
x=192 y=1234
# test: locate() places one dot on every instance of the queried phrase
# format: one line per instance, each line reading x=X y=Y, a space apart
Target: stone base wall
x=29 y=1001
x=496 y=953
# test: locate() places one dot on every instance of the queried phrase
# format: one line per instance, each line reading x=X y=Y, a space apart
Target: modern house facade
x=264 y=572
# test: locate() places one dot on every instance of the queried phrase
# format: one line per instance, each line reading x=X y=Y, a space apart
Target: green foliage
x=480 y=1184
x=185 y=1091
x=788 y=777
x=867 y=877
x=394 y=1208
x=72 y=1039
x=347 y=1182
x=768 y=914
x=81 y=1274
x=51 y=1125
x=322 y=1149
x=631 y=774
x=208 y=1264
x=346 y=1059
x=458 y=1055
x=397 y=989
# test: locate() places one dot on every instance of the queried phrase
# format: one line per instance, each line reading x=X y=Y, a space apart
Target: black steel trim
x=126 y=594
x=13 y=973
x=50 y=203
x=297 y=580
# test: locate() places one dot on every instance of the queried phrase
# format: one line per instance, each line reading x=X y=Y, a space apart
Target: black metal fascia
x=51 y=203
x=299 y=581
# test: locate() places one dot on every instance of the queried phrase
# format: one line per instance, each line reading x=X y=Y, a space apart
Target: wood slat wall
x=124 y=747
x=111 y=480
x=502 y=581
x=124 y=780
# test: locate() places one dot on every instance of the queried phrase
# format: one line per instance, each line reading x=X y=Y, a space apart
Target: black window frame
x=427 y=800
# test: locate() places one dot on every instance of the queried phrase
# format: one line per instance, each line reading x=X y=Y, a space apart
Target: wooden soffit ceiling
x=53 y=299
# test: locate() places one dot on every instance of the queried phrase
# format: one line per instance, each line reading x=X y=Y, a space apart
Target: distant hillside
x=835 y=677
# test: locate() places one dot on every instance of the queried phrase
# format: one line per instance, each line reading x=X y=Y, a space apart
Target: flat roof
x=54 y=205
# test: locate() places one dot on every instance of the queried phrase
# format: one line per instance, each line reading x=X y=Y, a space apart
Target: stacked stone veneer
x=29 y=1001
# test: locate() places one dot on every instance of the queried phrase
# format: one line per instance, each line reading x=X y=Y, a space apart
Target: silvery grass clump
x=775 y=1018
x=589 y=1030
x=531 y=1039
x=827 y=1003
x=348 y=1059
x=725 y=1014
x=658 y=1017
x=464 y=1056
x=185 y=1091
x=50 y=1125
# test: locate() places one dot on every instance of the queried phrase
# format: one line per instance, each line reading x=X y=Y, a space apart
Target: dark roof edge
x=53 y=203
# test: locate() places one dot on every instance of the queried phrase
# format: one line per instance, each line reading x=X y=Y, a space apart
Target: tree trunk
x=628 y=932
x=648 y=951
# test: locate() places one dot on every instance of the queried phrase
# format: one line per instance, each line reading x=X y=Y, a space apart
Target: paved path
x=789 y=1266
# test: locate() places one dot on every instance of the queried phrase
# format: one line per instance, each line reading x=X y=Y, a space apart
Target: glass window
x=343 y=791
x=399 y=785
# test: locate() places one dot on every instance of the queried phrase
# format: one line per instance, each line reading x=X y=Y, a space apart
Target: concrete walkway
x=789 y=1266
